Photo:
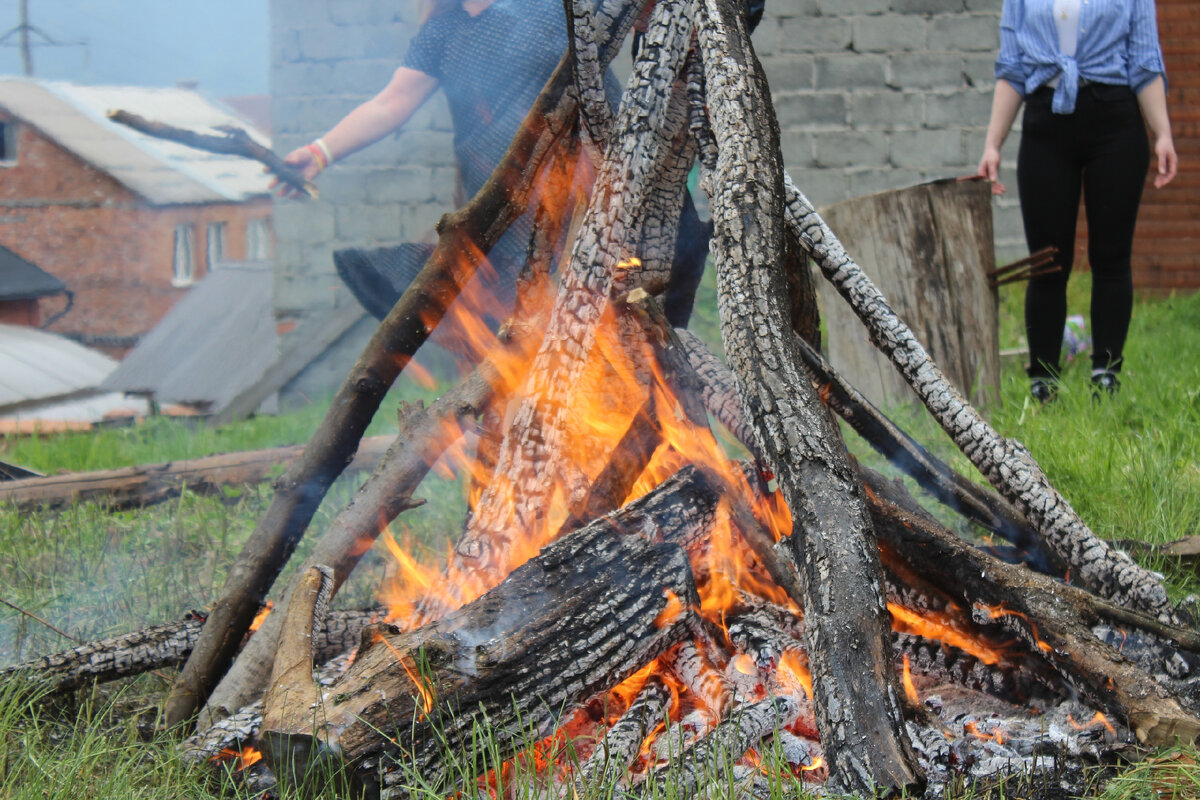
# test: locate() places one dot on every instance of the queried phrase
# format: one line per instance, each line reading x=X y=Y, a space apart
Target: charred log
x=161 y=646
x=590 y=614
x=832 y=543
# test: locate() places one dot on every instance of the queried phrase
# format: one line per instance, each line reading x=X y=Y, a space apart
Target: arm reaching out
x=368 y=123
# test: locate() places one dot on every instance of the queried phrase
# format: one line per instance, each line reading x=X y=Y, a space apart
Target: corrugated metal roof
x=38 y=365
x=213 y=344
x=24 y=280
x=163 y=172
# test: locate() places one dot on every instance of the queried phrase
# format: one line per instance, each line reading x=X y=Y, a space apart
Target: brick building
x=870 y=94
x=125 y=221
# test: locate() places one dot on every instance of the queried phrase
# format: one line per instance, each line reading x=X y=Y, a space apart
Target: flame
x=793 y=672
x=246 y=757
x=997 y=734
x=1097 y=721
x=910 y=690
x=261 y=616
x=672 y=612
x=996 y=612
x=744 y=664
x=816 y=764
x=942 y=629
x=421 y=685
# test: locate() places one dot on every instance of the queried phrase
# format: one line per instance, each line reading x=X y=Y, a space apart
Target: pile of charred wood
x=625 y=596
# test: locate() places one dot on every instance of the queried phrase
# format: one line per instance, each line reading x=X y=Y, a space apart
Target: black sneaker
x=1105 y=384
x=378 y=277
x=1043 y=390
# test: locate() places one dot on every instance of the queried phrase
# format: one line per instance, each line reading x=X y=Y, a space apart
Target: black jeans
x=1103 y=149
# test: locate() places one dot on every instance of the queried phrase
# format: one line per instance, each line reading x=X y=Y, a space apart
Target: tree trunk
x=832 y=544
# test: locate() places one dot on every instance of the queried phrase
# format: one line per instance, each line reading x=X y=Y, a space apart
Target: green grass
x=1129 y=465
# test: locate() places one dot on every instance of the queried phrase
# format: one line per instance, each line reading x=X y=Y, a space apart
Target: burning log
x=424 y=436
x=147 y=484
x=577 y=619
x=832 y=542
x=464 y=237
x=1007 y=465
x=1053 y=618
x=699 y=763
x=160 y=646
x=617 y=750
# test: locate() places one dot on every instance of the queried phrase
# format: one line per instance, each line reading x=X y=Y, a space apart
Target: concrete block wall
x=881 y=94
x=871 y=95
x=327 y=56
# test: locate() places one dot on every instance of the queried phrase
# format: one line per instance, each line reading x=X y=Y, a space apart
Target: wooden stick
x=1033 y=260
x=147 y=484
x=233 y=142
x=36 y=618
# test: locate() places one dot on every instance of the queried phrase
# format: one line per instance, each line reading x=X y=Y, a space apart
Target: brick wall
x=112 y=249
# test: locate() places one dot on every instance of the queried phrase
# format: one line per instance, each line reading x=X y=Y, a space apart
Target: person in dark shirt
x=491 y=58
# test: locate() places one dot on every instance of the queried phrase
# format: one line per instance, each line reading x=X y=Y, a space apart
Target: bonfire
x=627 y=603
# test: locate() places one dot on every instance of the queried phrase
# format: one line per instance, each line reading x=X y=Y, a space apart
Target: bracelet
x=320 y=151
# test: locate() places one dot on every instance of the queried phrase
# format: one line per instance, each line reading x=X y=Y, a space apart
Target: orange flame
x=910 y=690
x=793 y=672
x=996 y=612
x=1097 y=721
x=672 y=612
x=422 y=688
x=261 y=616
x=997 y=734
x=942 y=629
x=816 y=764
x=246 y=757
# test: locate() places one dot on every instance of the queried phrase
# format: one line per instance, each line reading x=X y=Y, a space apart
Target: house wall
x=113 y=250
x=20 y=312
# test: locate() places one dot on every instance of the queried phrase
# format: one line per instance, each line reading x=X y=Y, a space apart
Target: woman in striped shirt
x=1088 y=72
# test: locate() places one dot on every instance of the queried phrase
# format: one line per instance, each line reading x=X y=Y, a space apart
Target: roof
x=37 y=366
x=24 y=280
x=162 y=172
x=218 y=340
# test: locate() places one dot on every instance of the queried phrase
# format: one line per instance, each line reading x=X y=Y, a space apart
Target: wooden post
x=928 y=248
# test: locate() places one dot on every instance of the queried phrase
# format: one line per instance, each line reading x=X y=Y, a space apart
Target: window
x=185 y=266
x=258 y=240
x=8 y=143
x=215 y=245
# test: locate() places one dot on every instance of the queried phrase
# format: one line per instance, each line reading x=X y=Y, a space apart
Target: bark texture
x=160 y=646
x=1053 y=619
x=832 y=543
x=1007 y=465
x=574 y=621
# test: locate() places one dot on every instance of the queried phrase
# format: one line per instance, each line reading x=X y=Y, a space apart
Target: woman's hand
x=989 y=167
x=1168 y=160
x=304 y=160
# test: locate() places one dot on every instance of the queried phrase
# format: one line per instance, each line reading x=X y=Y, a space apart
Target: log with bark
x=584 y=614
x=166 y=645
x=147 y=484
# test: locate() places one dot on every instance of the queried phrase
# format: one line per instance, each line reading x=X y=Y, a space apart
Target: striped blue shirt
x=1118 y=44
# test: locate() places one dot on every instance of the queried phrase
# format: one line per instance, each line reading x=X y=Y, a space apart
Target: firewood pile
x=624 y=595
